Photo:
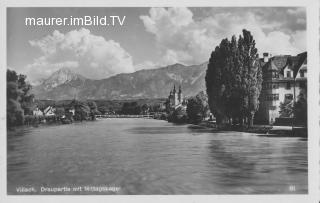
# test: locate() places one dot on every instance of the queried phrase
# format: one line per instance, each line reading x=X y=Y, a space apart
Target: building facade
x=284 y=78
x=175 y=99
x=37 y=112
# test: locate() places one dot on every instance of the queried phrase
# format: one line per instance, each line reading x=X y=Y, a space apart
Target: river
x=146 y=156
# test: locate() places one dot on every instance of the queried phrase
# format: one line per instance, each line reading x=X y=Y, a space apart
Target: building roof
x=277 y=63
x=273 y=66
x=303 y=58
x=282 y=61
x=295 y=62
x=34 y=107
x=48 y=109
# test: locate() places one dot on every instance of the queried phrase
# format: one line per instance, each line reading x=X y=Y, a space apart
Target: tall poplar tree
x=233 y=80
x=251 y=75
x=216 y=82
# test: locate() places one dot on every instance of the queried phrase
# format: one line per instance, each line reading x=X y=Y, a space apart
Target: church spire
x=174 y=89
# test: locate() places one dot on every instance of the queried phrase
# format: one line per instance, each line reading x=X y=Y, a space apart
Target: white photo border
x=312 y=7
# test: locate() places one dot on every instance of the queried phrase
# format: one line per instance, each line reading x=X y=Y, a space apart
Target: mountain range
x=151 y=83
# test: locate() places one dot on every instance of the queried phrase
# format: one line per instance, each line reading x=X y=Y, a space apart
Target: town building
x=37 y=112
x=49 y=111
x=284 y=78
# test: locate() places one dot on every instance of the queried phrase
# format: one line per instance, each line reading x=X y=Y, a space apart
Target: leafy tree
x=19 y=99
x=131 y=108
x=145 y=109
x=157 y=108
x=179 y=115
x=93 y=107
x=286 y=109
x=167 y=105
x=60 y=111
x=111 y=110
x=26 y=99
x=14 y=113
x=233 y=80
x=197 y=107
x=251 y=73
x=103 y=109
x=216 y=81
x=301 y=110
x=82 y=110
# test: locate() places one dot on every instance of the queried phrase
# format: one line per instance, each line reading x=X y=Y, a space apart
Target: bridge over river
x=124 y=116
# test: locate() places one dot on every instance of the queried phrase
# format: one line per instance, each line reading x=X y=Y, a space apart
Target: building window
x=288 y=74
x=270 y=85
x=288 y=96
x=275 y=74
x=264 y=85
x=272 y=108
x=272 y=97
x=288 y=86
x=275 y=86
x=302 y=84
x=302 y=74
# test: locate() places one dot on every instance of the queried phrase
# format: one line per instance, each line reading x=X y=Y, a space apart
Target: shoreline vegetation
x=230 y=102
x=21 y=106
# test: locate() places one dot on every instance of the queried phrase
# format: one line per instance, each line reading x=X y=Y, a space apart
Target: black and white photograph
x=180 y=100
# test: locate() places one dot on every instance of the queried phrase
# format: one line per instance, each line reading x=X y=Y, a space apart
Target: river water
x=145 y=156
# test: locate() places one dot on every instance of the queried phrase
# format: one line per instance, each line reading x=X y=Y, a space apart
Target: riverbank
x=264 y=130
x=43 y=124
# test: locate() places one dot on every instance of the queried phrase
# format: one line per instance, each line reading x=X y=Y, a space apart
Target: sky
x=149 y=38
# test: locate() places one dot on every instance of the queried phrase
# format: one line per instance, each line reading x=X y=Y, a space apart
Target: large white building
x=280 y=75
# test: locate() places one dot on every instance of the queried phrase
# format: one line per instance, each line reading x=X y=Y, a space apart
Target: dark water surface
x=145 y=156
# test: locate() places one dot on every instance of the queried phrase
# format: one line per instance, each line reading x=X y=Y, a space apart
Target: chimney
x=265 y=57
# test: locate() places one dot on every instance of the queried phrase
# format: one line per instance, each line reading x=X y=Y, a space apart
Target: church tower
x=175 y=96
x=170 y=98
x=180 y=95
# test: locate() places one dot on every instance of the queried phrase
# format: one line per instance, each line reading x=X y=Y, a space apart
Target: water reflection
x=155 y=157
